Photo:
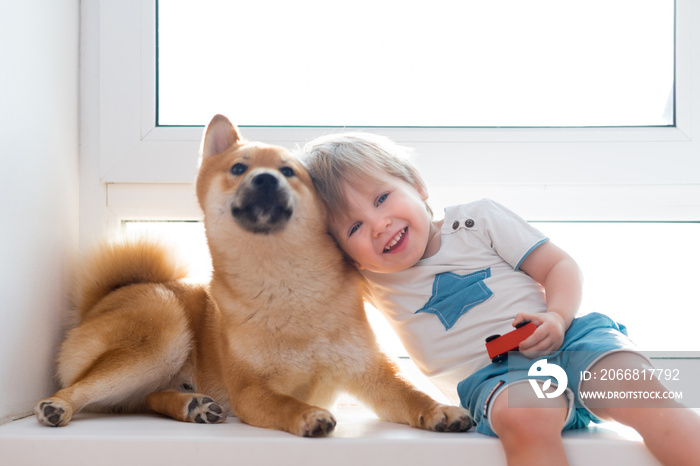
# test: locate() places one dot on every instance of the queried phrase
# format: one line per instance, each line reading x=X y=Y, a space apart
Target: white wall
x=39 y=101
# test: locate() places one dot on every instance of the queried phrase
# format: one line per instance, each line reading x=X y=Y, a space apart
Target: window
x=119 y=57
x=643 y=275
x=188 y=235
x=135 y=170
x=388 y=63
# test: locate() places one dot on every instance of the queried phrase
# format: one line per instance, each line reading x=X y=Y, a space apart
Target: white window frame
x=132 y=169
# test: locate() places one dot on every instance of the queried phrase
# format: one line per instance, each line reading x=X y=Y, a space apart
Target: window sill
x=359 y=439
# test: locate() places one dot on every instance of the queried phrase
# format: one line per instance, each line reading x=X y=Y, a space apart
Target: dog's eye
x=239 y=169
x=287 y=171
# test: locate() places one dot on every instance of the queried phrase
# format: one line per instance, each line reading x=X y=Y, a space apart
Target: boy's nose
x=380 y=225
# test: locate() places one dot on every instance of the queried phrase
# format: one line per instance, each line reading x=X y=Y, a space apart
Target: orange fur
x=139 y=332
x=287 y=333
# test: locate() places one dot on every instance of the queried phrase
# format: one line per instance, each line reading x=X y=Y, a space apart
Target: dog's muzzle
x=263 y=203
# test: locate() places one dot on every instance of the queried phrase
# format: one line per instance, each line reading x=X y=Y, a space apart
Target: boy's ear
x=219 y=135
x=352 y=262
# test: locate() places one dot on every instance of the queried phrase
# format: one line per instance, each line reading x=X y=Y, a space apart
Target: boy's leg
x=530 y=428
x=669 y=430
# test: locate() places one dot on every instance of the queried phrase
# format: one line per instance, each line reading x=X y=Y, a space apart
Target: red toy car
x=498 y=345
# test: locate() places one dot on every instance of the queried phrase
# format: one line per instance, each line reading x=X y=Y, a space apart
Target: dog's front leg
x=259 y=406
x=396 y=400
x=256 y=403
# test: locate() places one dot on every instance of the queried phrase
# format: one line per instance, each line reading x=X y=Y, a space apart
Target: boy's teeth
x=396 y=239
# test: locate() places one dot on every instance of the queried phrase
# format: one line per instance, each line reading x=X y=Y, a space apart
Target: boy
x=444 y=285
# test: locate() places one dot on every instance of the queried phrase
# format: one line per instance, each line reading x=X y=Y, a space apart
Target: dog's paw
x=53 y=412
x=443 y=418
x=204 y=410
x=316 y=423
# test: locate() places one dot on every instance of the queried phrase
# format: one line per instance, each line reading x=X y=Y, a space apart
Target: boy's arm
x=561 y=278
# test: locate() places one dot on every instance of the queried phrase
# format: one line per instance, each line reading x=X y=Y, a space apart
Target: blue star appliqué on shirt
x=454 y=294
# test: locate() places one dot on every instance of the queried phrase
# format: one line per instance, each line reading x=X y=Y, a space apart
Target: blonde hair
x=356 y=158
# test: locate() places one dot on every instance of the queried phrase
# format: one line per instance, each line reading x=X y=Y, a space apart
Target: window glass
x=643 y=275
x=443 y=63
x=186 y=237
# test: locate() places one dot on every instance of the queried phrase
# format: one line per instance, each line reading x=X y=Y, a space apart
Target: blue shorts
x=589 y=338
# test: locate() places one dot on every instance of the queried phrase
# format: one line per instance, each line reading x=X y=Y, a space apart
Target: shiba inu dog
x=278 y=334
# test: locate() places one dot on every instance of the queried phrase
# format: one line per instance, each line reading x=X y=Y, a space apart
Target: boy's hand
x=548 y=337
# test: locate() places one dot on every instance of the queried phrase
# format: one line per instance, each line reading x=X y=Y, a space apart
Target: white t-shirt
x=446 y=305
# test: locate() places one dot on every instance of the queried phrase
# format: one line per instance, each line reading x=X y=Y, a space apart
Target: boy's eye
x=382 y=198
x=354 y=228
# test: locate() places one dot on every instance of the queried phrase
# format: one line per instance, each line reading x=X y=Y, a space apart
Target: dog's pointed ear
x=219 y=135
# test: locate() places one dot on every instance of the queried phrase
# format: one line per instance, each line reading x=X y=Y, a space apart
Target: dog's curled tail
x=123 y=262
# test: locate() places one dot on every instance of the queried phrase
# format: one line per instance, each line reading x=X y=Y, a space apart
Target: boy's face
x=387 y=227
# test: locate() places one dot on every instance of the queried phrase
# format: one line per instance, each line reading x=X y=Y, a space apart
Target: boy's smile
x=396 y=241
x=387 y=227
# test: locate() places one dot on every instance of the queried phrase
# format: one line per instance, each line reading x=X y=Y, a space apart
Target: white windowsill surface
x=359 y=440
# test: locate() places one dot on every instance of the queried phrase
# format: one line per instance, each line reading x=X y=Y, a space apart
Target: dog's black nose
x=265 y=181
